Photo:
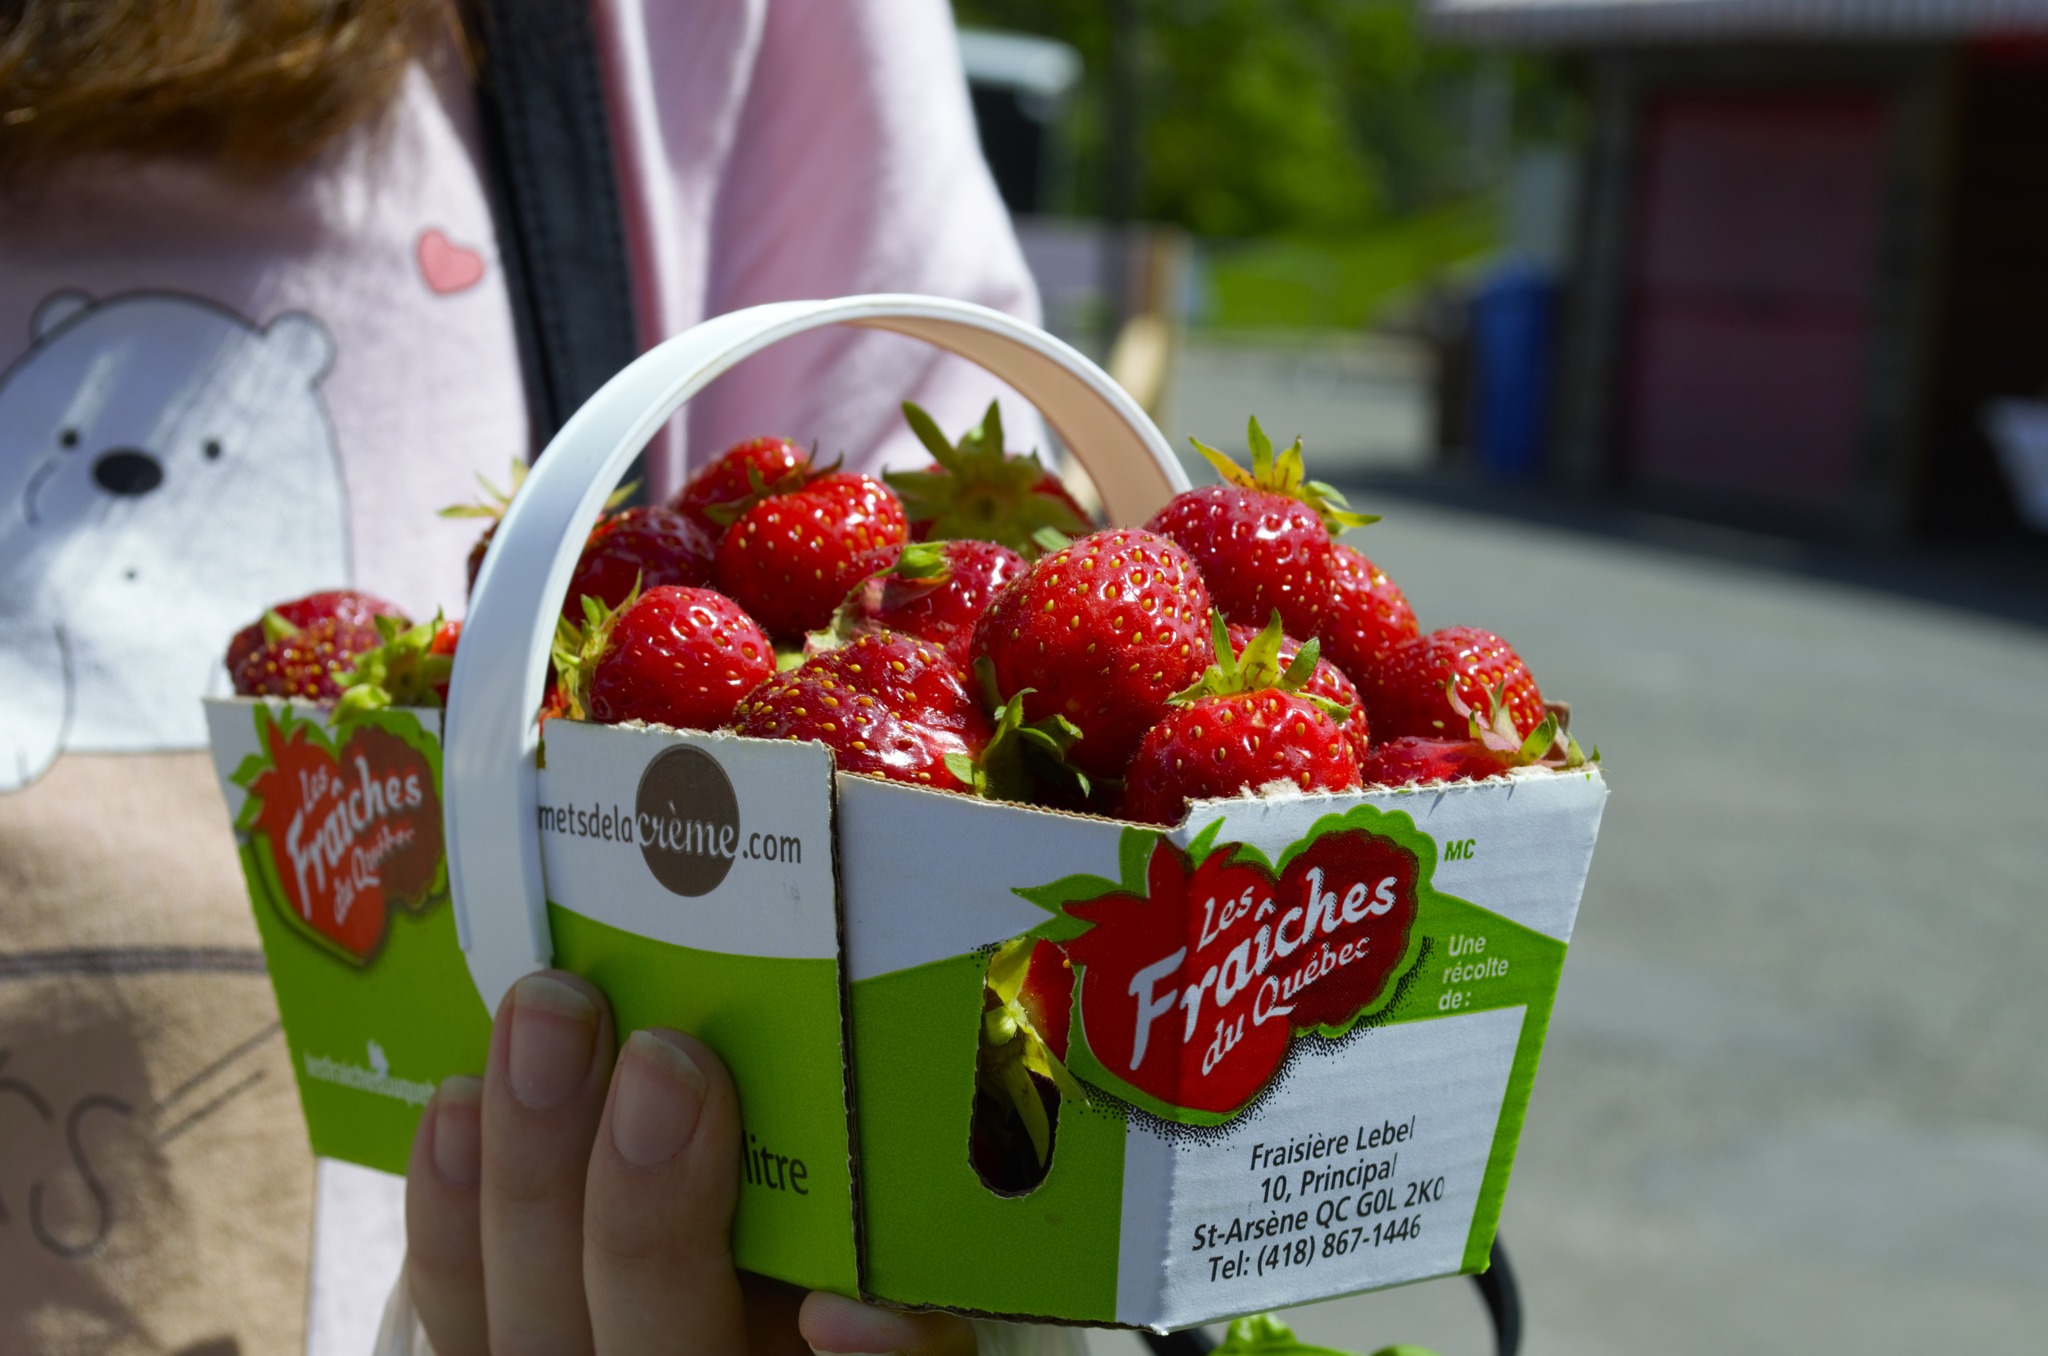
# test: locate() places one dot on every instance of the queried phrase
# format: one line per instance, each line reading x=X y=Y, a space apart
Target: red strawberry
x=493 y=502
x=474 y=561
x=1493 y=746
x=446 y=637
x=673 y=656
x=1415 y=760
x=1327 y=681
x=646 y=545
x=791 y=558
x=490 y=505
x=1407 y=693
x=410 y=668
x=1227 y=746
x=741 y=470
x=554 y=703
x=1047 y=996
x=976 y=490
x=301 y=648
x=1262 y=538
x=1031 y=981
x=887 y=706
x=1102 y=633
x=1364 y=616
x=1242 y=726
x=936 y=591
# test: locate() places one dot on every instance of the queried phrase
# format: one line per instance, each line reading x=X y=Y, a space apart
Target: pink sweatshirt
x=219 y=396
x=768 y=151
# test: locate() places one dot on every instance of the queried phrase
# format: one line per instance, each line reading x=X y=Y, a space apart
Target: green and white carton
x=1307 y=1028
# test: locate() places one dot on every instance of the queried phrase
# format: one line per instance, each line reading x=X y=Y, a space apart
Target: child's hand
x=571 y=1203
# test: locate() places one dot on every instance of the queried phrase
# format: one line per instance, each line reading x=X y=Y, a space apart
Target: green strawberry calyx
x=1019 y=755
x=729 y=511
x=276 y=626
x=577 y=649
x=921 y=562
x=1549 y=743
x=922 y=566
x=979 y=490
x=1013 y=1049
x=1265 y=1335
x=402 y=671
x=1258 y=668
x=1284 y=474
x=493 y=502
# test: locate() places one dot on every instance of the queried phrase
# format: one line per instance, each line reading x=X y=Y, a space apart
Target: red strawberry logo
x=343 y=830
x=1191 y=992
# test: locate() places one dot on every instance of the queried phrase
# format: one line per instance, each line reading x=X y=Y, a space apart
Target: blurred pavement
x=1359 y=403
x=1794 y=1097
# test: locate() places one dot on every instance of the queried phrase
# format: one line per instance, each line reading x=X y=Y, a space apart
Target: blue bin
x=1514 y=339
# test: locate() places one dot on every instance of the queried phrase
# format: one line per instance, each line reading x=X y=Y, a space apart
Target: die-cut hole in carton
x=1020 y=1073
x=1305 y=1029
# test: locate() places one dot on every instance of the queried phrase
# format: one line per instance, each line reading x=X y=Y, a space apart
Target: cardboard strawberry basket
x=1306 y=1028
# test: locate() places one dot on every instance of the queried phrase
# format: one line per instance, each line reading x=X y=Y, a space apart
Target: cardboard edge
x=1507 y=1130
x=1381 y=793
x=858 y=1202
x=1373 y=794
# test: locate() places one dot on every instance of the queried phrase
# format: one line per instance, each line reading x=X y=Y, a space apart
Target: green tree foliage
x=1264 y=117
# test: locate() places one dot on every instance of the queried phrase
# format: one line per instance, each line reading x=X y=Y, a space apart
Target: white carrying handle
x=490 y=769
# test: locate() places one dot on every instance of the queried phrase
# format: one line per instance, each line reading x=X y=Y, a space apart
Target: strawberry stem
x=1013 y=1048
x=978 y=490
x=923 y=560
x=403 y=671
x=1258 y=668
x=730 y=511
x=1284 y=474
x=577 y=649
x=1019 y=757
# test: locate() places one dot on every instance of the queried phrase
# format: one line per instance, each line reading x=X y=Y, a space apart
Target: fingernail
x=458 y=1130
x=860 y=1329
x=554 y=1028
x=661 y=1095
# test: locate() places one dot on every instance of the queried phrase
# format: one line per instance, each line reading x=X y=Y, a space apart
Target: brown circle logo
x=688 y=821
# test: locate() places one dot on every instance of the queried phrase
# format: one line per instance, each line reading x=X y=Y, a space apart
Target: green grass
x=1341 y=284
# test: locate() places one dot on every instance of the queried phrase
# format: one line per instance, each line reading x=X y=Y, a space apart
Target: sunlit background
x=1699 y=347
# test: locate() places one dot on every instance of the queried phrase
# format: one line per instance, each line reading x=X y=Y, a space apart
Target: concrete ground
x=1359 y=404
x=1795 y=1097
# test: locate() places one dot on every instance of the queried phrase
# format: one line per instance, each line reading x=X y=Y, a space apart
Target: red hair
x=257 y=86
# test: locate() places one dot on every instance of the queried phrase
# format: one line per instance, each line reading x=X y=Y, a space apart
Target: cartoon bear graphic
x=167 y=471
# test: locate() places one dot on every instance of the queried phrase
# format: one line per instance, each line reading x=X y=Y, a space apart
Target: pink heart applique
x=447 y=266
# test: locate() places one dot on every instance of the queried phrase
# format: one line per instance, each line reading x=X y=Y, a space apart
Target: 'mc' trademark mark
x=1460 y=850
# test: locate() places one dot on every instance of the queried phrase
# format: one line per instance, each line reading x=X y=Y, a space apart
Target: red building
x=1812 y=247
